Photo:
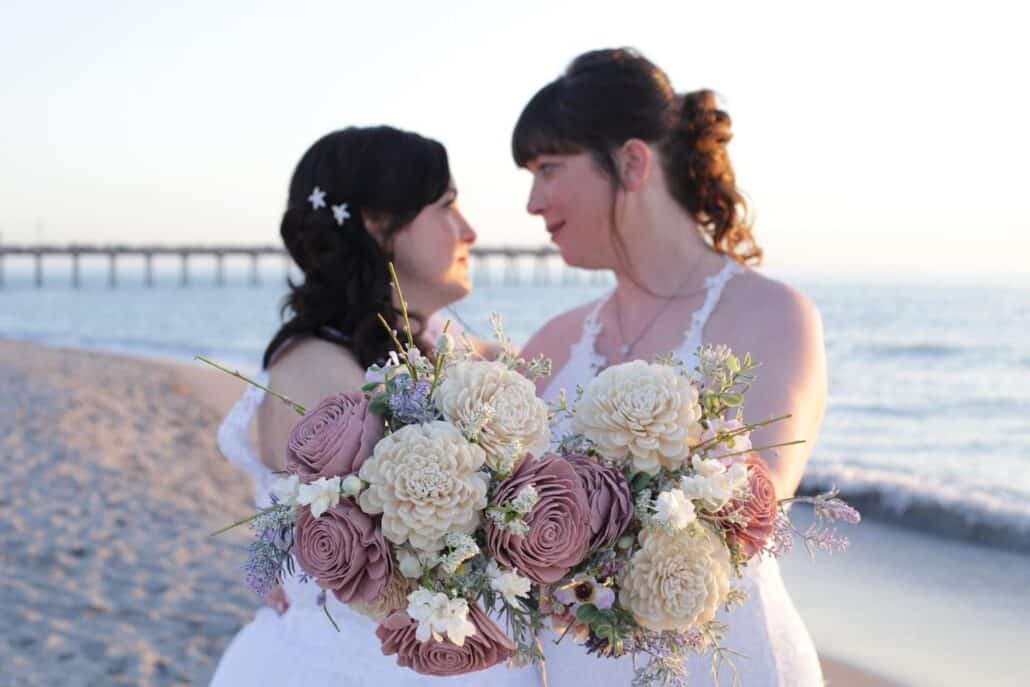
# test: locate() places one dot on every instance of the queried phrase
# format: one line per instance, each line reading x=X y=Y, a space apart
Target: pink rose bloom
x=759 y=511
x=334 y=439
x=344 y=550
x=559 y=524
x=611 y=504
x=487 y=647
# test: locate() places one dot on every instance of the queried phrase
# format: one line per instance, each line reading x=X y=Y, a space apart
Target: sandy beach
x=110 y=484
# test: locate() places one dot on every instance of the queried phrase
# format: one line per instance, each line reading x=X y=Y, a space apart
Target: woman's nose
x=535 y=205
x=468 y=234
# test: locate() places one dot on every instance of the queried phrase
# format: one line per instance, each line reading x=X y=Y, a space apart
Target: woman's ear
x=634 y=160
x=375 y=223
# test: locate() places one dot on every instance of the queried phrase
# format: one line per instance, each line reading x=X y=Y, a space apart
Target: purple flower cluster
x=829 y=507
x=409 y=400
x=263 y=566
x=271 y=551
x=826 y=540
x=659 y=644
x=781 y=542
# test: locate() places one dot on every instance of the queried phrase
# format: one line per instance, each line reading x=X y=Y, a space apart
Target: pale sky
x=871 y=137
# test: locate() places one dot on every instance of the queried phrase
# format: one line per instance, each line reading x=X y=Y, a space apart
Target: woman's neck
x=664 y=253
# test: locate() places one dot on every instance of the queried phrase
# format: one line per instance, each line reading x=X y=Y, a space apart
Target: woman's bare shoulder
x=555 y=336
x=311 y=369
x=758 y=301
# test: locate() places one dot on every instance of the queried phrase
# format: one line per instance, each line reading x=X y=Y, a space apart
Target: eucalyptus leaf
x=587 y=613
x=731 y=400
x=640 y=481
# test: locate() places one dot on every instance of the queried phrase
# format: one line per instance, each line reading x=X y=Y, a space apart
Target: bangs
x=543 y=129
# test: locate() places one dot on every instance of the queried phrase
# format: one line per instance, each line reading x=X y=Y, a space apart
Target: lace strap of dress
x=587 y=344
x=713 y=287
x=234 y=439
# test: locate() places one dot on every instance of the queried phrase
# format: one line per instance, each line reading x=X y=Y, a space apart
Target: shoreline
x=126 y=507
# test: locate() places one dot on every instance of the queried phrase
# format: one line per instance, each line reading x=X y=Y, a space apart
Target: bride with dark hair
x=359 y=198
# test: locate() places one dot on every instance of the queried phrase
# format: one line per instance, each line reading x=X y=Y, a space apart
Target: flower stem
x=439 y=363
x=325 y=607
x=723 y=436
x=236 y=373
x=244 y=521
x=404 y=304
x=761 y=448
x=400 y=347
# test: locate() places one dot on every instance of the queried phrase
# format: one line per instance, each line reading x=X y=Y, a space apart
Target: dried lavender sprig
x=409 y=400
x=828 y=506
x=263 y=566
x=825 y=539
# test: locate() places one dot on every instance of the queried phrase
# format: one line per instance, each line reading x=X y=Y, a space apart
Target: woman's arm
x=786 y=338
x=307 y=372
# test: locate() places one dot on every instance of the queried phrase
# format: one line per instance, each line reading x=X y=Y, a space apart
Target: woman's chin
x=455 y=290
x=573 y=257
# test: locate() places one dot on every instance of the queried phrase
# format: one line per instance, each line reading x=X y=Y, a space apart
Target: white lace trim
x=714 y=285
x=588 y=340
x=234 y=439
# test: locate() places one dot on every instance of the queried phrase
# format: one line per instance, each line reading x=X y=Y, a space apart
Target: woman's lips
x=553 y=229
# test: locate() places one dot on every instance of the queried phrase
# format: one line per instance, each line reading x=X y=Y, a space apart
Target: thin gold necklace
x=626 y=348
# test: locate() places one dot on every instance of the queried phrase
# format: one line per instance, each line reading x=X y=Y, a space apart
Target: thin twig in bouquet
x=244 y=521
x=402 y=351
x=403 y=303
x=440 y=358
x=400 y=347
x=236 y=373
x=721 y=437
x=762 y=448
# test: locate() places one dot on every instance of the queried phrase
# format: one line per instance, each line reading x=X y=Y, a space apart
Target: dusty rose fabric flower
x=487 y=647
x=759 y=510
x=334 y=439
x=559 y=523
x=611 y=504
x=344 y=551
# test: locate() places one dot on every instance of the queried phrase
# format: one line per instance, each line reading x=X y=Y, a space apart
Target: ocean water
x=928 y=419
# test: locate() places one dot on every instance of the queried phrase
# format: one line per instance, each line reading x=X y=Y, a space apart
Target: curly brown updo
x=607 y=97
x=383 y=174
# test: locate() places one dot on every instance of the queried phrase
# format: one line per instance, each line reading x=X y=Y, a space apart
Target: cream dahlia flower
x=676 y=580
x=496 y=407
x=426 y=481
x=648 y=413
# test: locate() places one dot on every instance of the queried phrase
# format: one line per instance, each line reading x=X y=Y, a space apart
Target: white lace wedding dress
x=301 y=649
x=775 y=648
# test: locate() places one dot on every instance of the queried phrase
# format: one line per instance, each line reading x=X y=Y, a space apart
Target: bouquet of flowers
x=428 y=502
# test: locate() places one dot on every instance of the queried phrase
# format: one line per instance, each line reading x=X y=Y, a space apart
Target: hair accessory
x=317 y=198
x=340 y=213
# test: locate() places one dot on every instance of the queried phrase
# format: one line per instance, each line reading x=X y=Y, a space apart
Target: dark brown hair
x=606 y=97
x=381 y=172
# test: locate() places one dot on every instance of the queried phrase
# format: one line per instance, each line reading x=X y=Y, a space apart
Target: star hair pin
x=340 y=212
x=317 y=198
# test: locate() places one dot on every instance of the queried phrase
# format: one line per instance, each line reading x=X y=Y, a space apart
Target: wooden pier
x=545 y=265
